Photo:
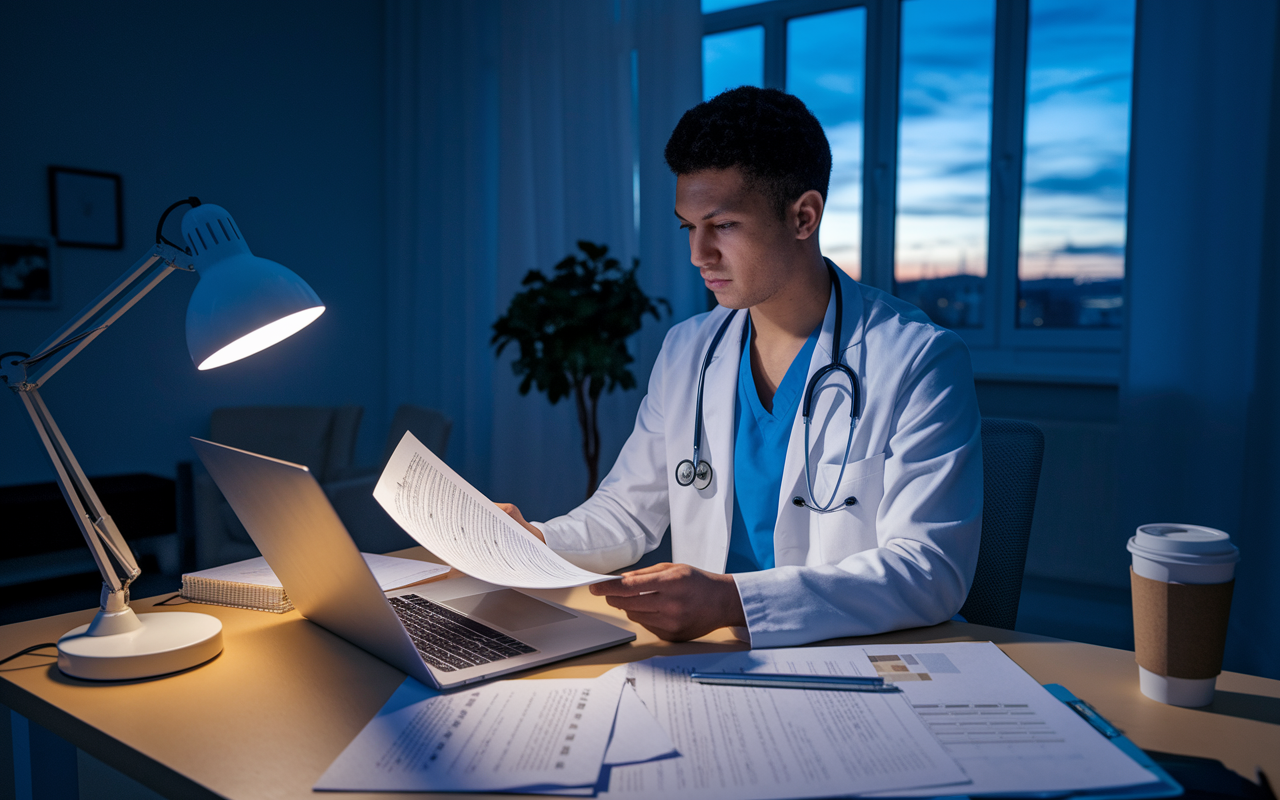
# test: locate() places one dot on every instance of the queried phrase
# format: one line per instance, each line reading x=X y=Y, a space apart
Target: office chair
x=1012 y=450
x=369 y=525
x=321 y=438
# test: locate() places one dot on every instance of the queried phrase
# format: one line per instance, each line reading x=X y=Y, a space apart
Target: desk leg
x=37 y=765
x=8 y=756
x=43 y=765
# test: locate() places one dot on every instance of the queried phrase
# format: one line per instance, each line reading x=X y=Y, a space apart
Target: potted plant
x=572 y=330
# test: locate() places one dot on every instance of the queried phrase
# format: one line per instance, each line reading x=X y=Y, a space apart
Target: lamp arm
x=26 y=374
x=100 y=313
x=97 y=527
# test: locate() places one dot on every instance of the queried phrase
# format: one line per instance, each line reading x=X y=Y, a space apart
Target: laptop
x=445 y=634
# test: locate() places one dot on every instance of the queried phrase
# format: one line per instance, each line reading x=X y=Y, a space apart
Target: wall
x=268 y=109
x=1199 y=394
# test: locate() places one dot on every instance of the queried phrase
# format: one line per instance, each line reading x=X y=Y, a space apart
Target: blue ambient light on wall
x=243 y=303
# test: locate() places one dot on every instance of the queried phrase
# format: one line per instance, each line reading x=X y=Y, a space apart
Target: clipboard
x=1165 y=786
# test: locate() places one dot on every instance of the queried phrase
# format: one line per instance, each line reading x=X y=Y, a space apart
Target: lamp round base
x=165 y=643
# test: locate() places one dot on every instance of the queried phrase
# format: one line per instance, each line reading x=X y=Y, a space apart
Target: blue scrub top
x=759 y=453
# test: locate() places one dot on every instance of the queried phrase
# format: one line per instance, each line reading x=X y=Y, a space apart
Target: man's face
x=736 y=239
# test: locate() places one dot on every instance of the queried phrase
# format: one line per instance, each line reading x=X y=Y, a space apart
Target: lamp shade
x=242 y=303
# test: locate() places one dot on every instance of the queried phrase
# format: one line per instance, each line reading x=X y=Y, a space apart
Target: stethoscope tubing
x=695 y=465
x=689 y=471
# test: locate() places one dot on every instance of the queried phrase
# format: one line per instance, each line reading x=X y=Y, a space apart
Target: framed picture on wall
x=28 y=277
x=86 y=208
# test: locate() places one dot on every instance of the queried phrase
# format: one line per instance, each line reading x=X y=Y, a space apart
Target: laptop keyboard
x=447 y=640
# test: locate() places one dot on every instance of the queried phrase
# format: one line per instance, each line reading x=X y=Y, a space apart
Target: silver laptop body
x=305 y=543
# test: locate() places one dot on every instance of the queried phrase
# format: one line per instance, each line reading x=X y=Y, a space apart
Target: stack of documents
x=999 y=730
x=965 y=721
x=538 y=736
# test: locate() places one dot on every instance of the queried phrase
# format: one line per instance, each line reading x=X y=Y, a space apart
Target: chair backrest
x=1012 y=451
x=428 y=425
x=320 y=438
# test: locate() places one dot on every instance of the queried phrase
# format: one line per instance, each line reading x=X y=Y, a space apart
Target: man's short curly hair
x=770 y=135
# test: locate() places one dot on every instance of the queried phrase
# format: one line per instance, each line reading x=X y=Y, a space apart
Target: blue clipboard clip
x=1165 y=786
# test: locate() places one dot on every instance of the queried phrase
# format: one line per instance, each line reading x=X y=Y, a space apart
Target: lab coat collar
x=853 y=323
x=719 y=394
x=792 y=527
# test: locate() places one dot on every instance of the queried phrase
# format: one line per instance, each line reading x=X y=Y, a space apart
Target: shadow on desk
x=1245 y=706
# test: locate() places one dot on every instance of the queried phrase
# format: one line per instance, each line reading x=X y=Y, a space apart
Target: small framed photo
x=27 y=274
x=86 y=208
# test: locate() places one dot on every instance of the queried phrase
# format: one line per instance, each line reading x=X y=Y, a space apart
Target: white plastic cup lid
x=1188 y=544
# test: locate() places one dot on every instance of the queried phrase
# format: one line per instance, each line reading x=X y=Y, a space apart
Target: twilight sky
x=1077 y=129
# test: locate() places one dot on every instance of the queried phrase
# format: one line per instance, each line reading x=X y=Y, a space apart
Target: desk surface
x=267 y=717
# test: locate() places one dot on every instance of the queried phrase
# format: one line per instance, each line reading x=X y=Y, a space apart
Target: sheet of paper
x=637 y=737
x=391 y=572
x=637 y=734
x=505 y=736
x=1003 y=728
x=396 y=573
x=745 y=743
x=446 y=515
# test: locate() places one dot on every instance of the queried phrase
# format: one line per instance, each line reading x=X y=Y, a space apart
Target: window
x=825 y=62
x=980 y=158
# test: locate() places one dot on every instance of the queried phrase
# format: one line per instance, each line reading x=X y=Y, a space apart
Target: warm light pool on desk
x=241 y=305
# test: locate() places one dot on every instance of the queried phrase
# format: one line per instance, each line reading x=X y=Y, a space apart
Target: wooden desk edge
x=170 y=782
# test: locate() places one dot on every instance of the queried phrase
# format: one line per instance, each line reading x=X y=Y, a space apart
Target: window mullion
x=880 y=143
x=775 y=51
x=1008 y=122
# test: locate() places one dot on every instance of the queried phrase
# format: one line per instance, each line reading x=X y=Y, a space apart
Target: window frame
x=1001 y=350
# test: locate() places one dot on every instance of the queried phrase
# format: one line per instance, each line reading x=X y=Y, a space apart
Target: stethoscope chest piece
x=700 y=478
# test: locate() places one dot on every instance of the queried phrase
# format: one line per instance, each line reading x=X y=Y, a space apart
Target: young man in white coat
x=898 y=543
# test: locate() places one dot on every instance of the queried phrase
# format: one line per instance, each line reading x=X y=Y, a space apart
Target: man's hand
x=676 y=602
x=515 y=514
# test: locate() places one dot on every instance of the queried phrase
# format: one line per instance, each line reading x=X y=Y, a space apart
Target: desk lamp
x=241 y=305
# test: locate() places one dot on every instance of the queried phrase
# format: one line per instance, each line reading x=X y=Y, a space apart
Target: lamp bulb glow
x=262 y=338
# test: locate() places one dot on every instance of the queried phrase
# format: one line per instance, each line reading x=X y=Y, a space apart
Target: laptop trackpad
x=508 y=609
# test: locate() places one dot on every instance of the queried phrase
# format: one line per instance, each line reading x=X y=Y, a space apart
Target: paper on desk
x=637 y=737
x=746 y=743
x=505 y=736
x=1005 y=730
x=390 y=572
x=446 y=515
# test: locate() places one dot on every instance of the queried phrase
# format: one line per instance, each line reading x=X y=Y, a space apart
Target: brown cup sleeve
x=1180 y=629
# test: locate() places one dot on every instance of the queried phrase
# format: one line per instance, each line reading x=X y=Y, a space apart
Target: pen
x=842 y=683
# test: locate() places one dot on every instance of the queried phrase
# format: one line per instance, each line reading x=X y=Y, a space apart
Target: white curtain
x=1200 y=396
x=513 y=130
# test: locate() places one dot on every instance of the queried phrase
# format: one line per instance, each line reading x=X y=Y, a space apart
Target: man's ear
x=806 y=214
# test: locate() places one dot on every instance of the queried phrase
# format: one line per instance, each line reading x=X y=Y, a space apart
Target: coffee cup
x=1182 y=578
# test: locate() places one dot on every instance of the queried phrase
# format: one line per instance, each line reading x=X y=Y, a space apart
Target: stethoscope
x=700 y=477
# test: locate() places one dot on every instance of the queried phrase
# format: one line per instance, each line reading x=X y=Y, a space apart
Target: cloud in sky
x=1104 y=180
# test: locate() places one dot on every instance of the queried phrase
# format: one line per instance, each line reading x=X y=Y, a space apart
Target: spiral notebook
x=251 y=584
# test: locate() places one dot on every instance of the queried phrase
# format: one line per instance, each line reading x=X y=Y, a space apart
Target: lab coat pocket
x=849 y=527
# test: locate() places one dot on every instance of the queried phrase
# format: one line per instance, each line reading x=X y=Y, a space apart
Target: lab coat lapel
x=719 y=395
x=828 y=430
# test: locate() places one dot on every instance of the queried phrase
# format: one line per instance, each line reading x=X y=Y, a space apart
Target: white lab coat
x=902 y=556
